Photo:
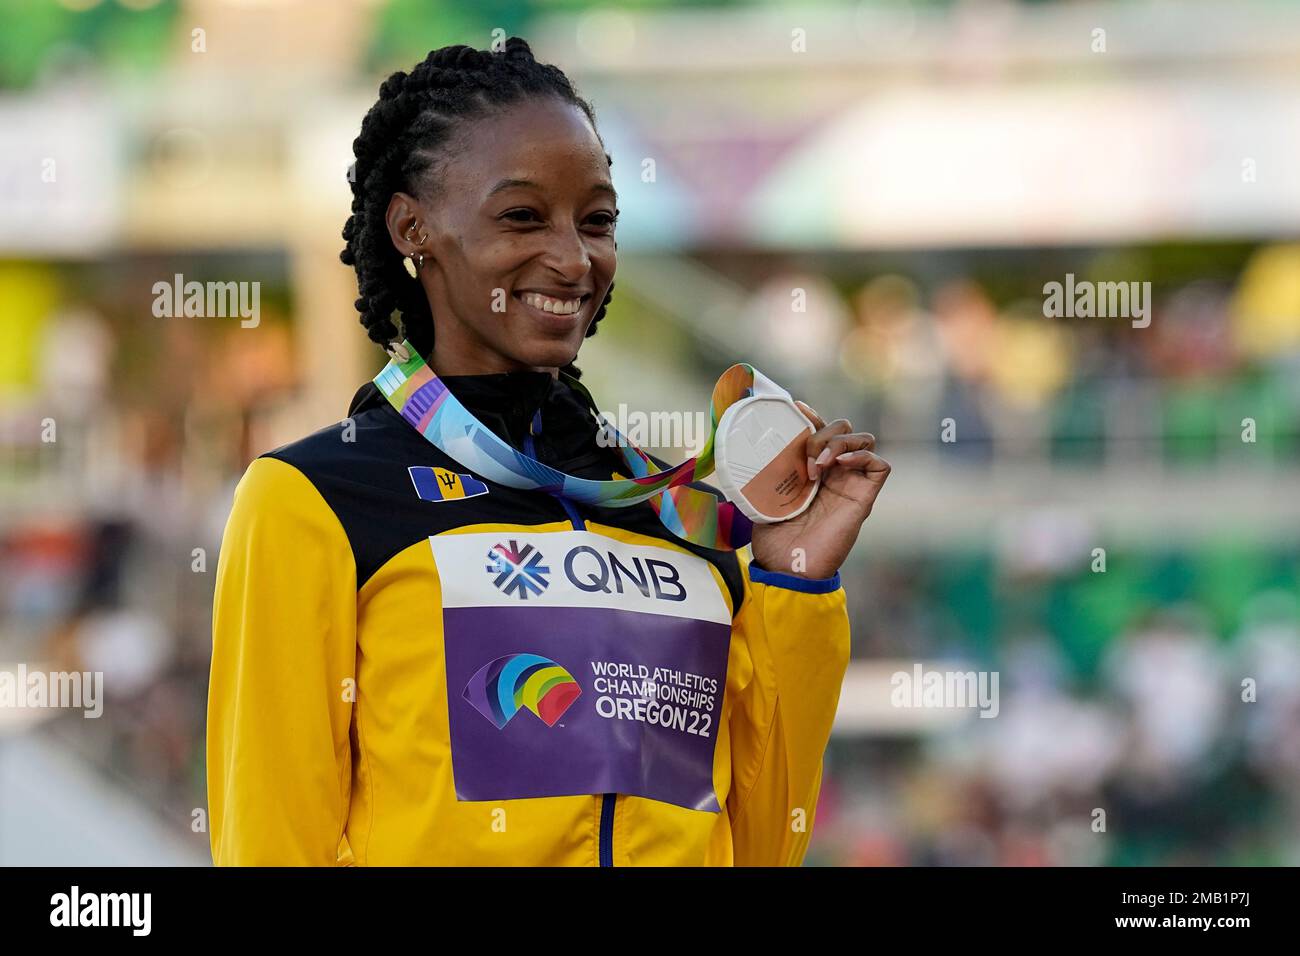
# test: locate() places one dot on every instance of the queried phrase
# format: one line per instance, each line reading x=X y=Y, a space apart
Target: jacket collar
x=506 y=402
x=506 y=393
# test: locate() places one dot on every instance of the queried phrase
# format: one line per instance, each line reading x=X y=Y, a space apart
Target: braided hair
x=404 y=141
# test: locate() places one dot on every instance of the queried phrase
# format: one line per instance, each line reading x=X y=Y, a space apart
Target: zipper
x=607 y=829
x=530 y=449
x=608 y=801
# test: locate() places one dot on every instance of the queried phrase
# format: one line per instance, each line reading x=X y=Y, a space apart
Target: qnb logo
x=591 y=571
x=518 y=570
x=501 y=689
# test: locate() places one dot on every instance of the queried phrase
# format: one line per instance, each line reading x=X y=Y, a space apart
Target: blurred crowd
x=1150 y=711
x=1219 y=349
x=117 y=468
x=1178 y=748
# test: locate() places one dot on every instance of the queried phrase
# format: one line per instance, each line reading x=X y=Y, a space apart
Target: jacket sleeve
x=791 y=658
x=279 y=697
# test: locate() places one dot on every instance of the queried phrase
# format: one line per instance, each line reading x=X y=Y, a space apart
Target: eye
x=603 y=220
x=520 y=215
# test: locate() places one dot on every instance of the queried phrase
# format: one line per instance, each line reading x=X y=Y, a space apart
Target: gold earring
x=415 y=261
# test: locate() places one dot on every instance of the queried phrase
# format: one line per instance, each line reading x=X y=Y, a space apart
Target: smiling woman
x=395 y=590
x=514 y=251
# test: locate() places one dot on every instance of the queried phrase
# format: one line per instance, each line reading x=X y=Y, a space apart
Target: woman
x=385 y=613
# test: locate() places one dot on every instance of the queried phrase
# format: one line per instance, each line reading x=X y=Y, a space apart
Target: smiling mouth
x=552 y=305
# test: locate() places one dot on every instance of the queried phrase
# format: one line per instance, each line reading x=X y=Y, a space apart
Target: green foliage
x=40 y=35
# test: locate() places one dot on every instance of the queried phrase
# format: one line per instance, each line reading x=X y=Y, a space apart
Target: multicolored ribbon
x=424 y=400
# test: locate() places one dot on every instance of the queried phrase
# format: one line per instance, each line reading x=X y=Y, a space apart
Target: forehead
x=546 y=141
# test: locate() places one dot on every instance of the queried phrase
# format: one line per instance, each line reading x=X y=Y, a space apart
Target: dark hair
x=403 y=144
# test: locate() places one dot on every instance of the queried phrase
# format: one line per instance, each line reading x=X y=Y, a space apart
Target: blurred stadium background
x=920 y=170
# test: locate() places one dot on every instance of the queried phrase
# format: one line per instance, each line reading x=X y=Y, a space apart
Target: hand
x=852 y=476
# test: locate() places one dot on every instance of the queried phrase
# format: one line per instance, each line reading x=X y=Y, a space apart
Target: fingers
x=811 y=412
x=875 y=467
x=835 y=440
x=837 y=443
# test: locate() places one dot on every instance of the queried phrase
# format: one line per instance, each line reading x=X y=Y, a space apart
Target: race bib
x=577 y=664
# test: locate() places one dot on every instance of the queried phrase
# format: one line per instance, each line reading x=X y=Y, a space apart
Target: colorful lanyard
x=424 y=400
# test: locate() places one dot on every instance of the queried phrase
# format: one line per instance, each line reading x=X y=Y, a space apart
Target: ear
x=406 y=227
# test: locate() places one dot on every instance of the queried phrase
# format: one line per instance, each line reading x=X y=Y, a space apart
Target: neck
x=447 y=360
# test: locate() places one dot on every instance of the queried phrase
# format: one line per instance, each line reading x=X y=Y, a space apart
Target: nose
x=566 y=253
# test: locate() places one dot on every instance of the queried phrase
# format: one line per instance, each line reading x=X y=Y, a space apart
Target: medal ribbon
x=424 y=400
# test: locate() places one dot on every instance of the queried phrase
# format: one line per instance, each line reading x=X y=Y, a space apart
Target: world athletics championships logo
x=518 y=570
x=500 y=689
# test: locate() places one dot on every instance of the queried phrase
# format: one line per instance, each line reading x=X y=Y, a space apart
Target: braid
x=404 y=140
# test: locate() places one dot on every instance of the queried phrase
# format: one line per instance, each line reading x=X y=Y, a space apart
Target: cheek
x=483 y=269
x=604 y=259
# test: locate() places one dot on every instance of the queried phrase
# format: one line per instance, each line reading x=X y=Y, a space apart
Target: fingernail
x=812 y=467
x=844 y=457
x=825 y=457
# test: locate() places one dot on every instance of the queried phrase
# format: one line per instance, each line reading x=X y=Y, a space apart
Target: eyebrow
x=512 y=183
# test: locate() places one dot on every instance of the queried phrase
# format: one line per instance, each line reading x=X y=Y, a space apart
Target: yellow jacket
x=328 y=738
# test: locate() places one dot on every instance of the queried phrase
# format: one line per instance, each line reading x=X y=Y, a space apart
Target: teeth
x=547 y=304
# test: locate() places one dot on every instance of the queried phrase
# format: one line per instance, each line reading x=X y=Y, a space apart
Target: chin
x=547 y=355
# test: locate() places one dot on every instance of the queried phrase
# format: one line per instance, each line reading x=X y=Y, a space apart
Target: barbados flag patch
x=439 y=484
